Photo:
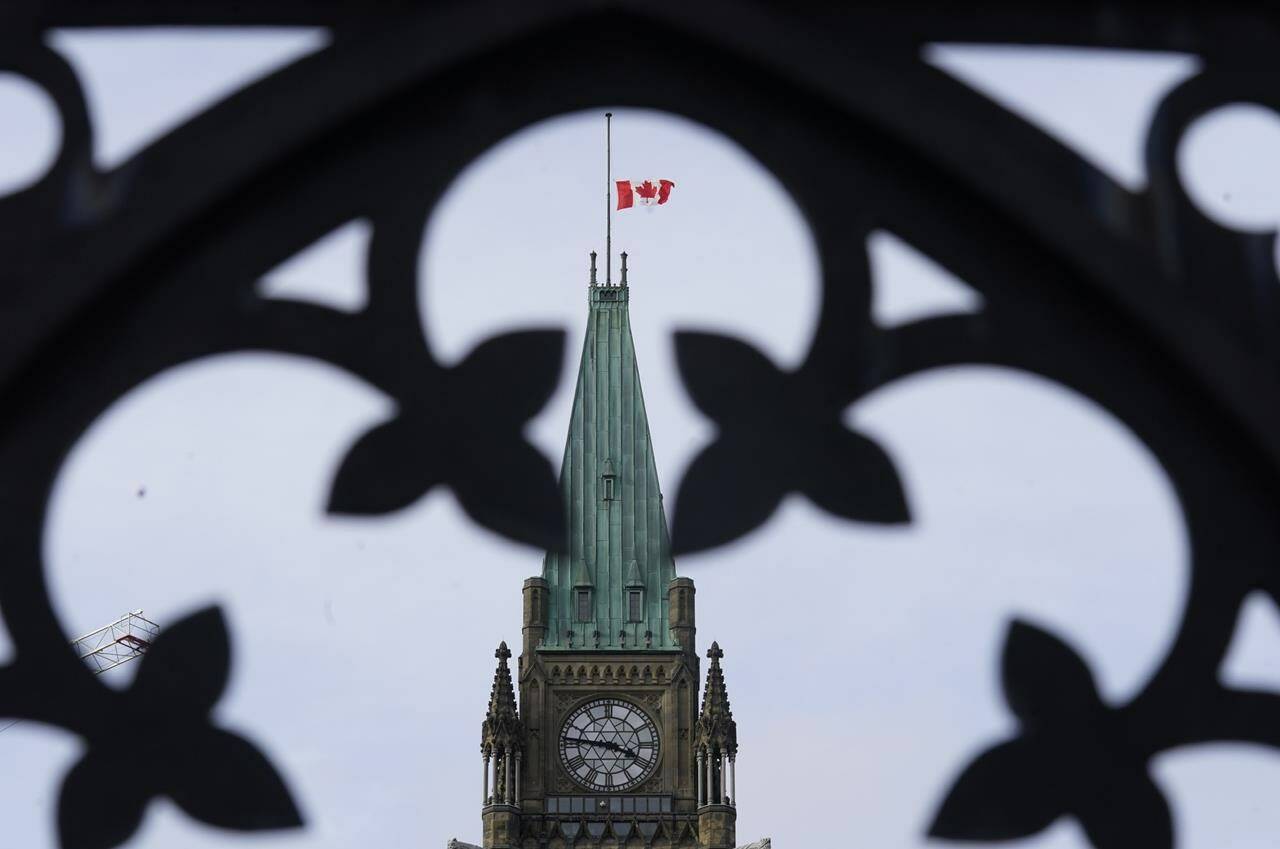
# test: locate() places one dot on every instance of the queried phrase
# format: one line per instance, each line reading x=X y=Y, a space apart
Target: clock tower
x=608 y=745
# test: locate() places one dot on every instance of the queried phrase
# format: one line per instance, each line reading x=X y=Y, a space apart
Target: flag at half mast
x=647 y=193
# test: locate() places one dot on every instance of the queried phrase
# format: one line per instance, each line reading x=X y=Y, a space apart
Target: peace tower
x=609 y=746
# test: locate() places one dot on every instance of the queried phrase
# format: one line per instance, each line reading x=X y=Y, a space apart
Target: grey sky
x=363 y=648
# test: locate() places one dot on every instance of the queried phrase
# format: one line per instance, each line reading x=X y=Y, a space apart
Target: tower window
x=583 y=604
x=608 y=487
x=635 y=605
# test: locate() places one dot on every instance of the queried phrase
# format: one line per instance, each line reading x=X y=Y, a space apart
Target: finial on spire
x=593 y=268
x=503 y=652
x=714 y=652
x=624 y=268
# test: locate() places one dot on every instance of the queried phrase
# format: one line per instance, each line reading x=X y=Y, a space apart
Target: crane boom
x=120 y=642
x=123 y=640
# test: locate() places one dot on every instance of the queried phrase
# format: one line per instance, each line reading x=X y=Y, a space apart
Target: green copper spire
x=617 y=542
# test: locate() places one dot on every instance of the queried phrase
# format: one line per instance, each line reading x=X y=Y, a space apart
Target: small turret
x=502 y=743
x=502 y=735
x=716 y=728
x=716 y=745
x=680 y=614
x=535 y=615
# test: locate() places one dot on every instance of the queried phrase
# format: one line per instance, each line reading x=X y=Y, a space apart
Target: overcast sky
x=861 y=660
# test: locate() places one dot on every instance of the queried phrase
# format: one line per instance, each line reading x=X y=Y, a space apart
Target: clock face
x=609 y=744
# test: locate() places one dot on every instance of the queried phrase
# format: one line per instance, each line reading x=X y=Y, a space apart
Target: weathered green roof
x=621 y=542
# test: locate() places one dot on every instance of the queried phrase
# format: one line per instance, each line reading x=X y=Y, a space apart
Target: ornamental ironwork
x=1133 y=298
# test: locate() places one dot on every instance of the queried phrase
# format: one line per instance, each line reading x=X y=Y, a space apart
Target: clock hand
x=604 y=743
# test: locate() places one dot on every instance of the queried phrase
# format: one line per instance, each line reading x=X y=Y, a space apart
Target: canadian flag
x=648 y=193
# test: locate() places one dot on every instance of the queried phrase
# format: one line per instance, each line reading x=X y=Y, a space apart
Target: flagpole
x=608 y=199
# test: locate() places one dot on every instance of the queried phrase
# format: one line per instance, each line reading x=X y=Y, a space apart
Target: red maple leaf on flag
x=648 y=193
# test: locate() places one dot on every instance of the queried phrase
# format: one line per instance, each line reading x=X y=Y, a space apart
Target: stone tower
x=608 y=746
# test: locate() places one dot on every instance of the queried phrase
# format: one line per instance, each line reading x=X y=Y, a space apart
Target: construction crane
x=123 y=640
